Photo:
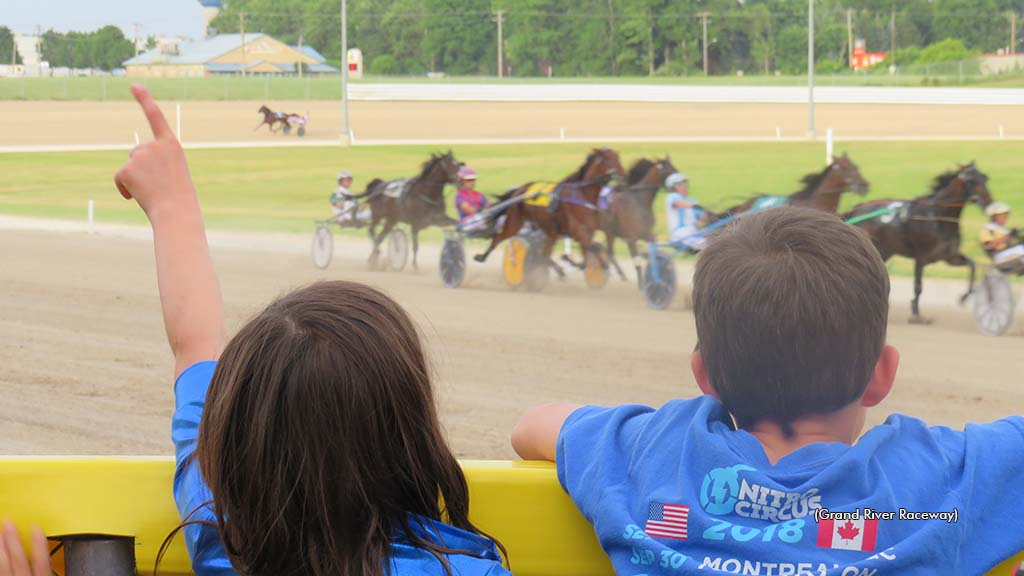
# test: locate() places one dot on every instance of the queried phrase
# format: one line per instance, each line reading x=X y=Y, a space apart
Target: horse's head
x=264 y=110
x=602 y=163
x=849 y=174
x=975 y=184
x=450 y=166
x=665 y=169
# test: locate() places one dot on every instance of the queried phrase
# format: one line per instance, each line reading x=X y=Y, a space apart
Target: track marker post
x=1002 y=133
x=561 y=132
x=92 y=210
x=778 y=133
x=137 y=141
x=178 y=107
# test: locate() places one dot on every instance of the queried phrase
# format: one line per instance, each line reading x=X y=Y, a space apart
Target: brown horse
x=927 y=228
x=270 y=118
x=417 y=201
x=630 y=211
x=821 y=191
x=572 y=212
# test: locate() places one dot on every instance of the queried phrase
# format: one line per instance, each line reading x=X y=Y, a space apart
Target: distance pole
x=810 y=68
x=345 y=133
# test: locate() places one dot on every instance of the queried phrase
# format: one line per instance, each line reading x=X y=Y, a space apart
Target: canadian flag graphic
x=848 y=534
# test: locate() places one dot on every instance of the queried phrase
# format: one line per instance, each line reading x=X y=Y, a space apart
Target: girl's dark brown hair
x=320 y=437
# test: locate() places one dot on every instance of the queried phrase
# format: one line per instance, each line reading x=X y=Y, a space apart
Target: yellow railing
x=520 y=503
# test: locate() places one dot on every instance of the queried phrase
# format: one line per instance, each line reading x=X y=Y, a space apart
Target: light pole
x=345 y=131
x=810 y=68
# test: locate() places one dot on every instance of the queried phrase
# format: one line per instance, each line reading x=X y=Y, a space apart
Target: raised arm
x=157 y=177
x=535 y=437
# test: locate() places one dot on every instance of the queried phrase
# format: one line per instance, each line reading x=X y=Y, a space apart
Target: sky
x=177 y=17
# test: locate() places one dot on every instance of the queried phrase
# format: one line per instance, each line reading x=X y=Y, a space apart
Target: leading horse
x=572 y=209
x=416 y=201
x=927 y=228
x=630 y=211
x=821 y=191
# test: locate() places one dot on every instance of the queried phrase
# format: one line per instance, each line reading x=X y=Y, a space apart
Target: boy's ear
x=883 y=377
x=700 y=374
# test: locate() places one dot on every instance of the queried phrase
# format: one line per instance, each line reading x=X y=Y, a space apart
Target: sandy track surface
x=98 y=123
x=87 y=370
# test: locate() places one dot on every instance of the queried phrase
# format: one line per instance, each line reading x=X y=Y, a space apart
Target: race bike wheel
x=594 y=272
x=287 y=129
x=323 y=247
x=659 y=282
x=994 y=304
x=453 y=263
x=513 y=267
x=398 y=250
x=301 y=131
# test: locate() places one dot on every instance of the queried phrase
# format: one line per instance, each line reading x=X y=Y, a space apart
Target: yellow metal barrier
x=520 y=503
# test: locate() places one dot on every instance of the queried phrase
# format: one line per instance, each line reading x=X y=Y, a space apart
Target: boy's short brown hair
x=791 y=307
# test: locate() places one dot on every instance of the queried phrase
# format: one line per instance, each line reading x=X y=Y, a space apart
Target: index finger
x=157 y=122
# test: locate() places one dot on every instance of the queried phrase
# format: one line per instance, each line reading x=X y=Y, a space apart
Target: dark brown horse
x=925 y=229
x=271 y=118
x=821 y=191
x=630 y=211
x=417 y=201
x=572 y=212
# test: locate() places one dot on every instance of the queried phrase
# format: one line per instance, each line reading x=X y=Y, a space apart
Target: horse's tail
x=372 y=189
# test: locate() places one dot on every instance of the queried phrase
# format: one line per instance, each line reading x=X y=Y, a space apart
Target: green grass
x=286 y=189
x=329 y=88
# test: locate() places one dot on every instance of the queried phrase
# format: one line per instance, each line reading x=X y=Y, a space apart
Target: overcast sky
x=153 y=16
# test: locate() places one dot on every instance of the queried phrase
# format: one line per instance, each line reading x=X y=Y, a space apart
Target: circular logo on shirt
x=719 y=489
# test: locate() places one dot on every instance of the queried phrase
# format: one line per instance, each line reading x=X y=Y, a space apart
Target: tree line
x=627 y=37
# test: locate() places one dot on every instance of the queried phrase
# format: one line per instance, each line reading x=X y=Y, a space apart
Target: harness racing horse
x=630 y=211
x=416 y=201
x=821 y=191
x=926 y=229
x=270 y=118
x=572 y=210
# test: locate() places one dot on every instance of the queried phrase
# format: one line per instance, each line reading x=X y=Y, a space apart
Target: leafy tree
x=7 y=47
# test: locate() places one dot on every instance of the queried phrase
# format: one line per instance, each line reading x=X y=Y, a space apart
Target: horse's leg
x=549 y=246
x=388 y=226
x=415 y=247
x=915 y=317
x=961 y=260
x=513 y=222
x=609 y=240
x=259 y=125
x=636 y=262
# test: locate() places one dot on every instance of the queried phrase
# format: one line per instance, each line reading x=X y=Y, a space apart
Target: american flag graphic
x=667 y=521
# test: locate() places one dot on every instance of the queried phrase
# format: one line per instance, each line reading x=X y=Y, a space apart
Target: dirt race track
x=95 y=123
x=87 y=370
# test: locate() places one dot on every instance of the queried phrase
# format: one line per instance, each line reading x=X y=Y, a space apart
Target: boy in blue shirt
x=768 y=472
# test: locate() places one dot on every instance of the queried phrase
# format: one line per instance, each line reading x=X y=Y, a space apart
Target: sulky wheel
x=287 y=129
x=993 y=304
x=323 y=247
x=453 y=263
x=398 y=250
x=659 y=282
x=301 y=131
x=513 y=266
x=594 y=272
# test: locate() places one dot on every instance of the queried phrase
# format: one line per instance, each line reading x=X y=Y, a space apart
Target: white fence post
x=179 y=123
x=91 y=214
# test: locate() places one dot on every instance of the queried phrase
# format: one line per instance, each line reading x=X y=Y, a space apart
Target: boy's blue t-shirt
x=678 y=491
x=205 y=548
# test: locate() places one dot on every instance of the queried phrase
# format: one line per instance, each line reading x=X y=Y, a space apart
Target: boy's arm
x=157 y=177
x=535 y=437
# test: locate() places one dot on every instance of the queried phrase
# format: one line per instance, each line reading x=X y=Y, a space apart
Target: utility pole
x=892 y=36
x=810 y=68
x=650 y=44
x=241 y=29
x=300 y=55
x=1013 y=33
x=135 y=26
x=849 y=37
x=345 y=131
x=501 y=44
x=704 y=19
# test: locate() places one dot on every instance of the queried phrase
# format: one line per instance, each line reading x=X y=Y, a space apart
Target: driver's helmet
x=996 y=208
x=344 y=174
x=674 y=180
x=467 y=173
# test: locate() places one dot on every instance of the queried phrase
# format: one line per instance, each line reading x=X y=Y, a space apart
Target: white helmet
x=996 y=208
x=674 y=180
x=344 y=174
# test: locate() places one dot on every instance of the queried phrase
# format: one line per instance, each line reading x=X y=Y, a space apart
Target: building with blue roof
x=228 y=54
